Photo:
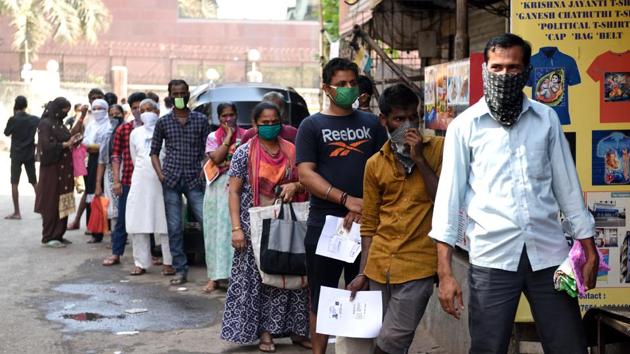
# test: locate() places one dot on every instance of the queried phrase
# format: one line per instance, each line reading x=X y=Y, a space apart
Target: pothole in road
x=110 y=307
x=89 y=316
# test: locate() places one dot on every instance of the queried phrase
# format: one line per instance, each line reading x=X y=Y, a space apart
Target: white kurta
x=145 y=211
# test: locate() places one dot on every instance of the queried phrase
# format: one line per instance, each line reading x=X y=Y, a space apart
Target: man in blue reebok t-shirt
x=332 y=148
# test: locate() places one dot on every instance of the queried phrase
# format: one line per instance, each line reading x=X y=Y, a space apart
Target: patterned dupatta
x=266 y=171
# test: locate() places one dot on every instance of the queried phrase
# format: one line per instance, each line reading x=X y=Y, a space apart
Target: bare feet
x=14 y=216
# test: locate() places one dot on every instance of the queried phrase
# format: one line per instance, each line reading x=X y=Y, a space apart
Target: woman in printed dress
x=255 y=311
x=220 y=147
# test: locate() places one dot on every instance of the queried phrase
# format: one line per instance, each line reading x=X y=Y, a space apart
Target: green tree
x=36 y=21
x=330 y=17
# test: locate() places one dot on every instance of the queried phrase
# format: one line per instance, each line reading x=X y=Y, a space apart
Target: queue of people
x=404 y=187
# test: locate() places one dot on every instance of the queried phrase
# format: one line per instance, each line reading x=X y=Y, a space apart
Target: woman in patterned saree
x=261 y=170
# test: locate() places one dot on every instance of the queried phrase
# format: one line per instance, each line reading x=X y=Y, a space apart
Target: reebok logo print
x=344 y=149
x=339 y=139
x=346 y=134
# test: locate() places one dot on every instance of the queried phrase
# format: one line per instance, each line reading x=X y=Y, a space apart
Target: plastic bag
x=568 y=277
x=98 y=215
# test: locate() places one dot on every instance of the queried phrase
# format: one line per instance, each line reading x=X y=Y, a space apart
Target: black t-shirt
x=339 y=146
x=22 y=128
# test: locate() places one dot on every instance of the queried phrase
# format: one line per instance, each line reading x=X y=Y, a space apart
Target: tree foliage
x=36 y=21
x=330 y=17
x=203 y=9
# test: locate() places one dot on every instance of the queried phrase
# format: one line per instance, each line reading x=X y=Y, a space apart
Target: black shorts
x=16 y=170
x=324 y=271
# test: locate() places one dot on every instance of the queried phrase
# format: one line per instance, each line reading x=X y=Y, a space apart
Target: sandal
x=137 y=271
x=178 y=279
x=111 y=260
x=94 y=240
x=66 y=241
x=156 y=261
x=210 y=287
x=168 y=270
x=267 y=346
x=54 y=244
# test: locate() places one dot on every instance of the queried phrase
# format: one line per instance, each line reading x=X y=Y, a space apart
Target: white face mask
x=99 y=115
x=149 y=119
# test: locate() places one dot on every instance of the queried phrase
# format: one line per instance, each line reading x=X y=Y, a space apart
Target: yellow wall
x=575 y=27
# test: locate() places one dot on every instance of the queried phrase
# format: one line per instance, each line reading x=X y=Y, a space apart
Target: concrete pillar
x=461 y=36
x=119 y=81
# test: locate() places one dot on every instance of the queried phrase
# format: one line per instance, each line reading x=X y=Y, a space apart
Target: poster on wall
x=612 y=73
x=611 y=157
x=446 y=92
x=612 y=235
x=581 y=69
x=551 y=75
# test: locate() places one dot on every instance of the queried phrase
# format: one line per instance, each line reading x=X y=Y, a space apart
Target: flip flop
x=168 y=270
x=13 y=217
x=156 y=261
x=267 y=347
x=137 y=271
x=111 y=260
x=210 y=287
x=178 y=279
x=54 y=244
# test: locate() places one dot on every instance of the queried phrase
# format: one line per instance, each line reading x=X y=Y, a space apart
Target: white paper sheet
x=337 y=242
x=338 y=316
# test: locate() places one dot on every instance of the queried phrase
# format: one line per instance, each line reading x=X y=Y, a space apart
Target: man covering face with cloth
x=398 y=257
x=508 y=165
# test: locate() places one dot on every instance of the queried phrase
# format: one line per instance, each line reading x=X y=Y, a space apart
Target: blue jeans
x=119 y=235
x=174 y=223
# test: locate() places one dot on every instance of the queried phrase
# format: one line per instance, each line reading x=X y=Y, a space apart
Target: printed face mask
x=504 y=94
x=149 y=119
x=345 y=96
x=401 y=151
x=397 y=138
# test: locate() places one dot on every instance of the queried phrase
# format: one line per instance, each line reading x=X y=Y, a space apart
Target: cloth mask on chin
x=504 y=94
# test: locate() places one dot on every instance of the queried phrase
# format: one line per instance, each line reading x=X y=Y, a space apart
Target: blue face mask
x=269 y=132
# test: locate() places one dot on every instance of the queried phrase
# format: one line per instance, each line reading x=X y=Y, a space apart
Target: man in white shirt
x=507 y=164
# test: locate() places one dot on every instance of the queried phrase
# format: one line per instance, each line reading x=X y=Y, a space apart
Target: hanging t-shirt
x=552 y=74
x=339 y=146
x=612 y=71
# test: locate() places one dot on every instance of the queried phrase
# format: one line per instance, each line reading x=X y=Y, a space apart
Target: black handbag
x=282 y=244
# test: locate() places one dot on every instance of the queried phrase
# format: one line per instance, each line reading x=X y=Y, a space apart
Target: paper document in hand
x=337 y=242
x=359 y=318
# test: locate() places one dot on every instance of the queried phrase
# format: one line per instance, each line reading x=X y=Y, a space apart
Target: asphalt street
x=65 y=301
